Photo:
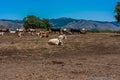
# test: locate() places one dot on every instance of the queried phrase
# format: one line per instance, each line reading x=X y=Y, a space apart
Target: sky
x=100 y=10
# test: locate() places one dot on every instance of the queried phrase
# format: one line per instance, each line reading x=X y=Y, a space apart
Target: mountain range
x=11 y=24
x=88 y=24
x=67 y=23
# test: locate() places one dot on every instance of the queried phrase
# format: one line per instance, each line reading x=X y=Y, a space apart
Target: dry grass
x=81 y=56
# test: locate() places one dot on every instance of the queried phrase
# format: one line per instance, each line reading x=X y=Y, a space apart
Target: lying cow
x=57 y=41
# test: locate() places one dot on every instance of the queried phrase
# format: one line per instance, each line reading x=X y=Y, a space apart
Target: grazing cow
x=2 y=33
x=31 y=31
x=56 y=30
x=19 y=30
x=38 y=34
x=12 y=32
x=74 y=31
x=65 y=31
x=83 y=31
x=4 y=30
x=44 y=34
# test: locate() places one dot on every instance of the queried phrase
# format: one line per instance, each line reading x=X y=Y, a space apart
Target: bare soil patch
x=81 y=57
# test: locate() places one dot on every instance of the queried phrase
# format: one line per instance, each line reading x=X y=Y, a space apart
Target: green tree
x=46 y=24
x=117 y=10
x=31 y=21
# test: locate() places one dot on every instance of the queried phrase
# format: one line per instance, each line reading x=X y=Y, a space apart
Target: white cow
x=12 y=32
x=55 y=41
x=2 y=33
x=19 y=30
x=83 y=29
x=62 y=37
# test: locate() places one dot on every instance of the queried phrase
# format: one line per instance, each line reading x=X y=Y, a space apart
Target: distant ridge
x=88 y=24
x=10 y=24
x=67 y=23
x=14 y=21
x=61 y=22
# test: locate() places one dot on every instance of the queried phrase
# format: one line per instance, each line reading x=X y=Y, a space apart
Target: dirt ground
x=91 y=56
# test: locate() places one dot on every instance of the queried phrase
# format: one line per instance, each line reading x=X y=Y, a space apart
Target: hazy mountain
x=9 y=24
x=67 y=23
x=61 y=22
x=88 y=24
x=96 y=25
x=14 y=21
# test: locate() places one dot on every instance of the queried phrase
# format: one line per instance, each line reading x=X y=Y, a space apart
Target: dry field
x=82 y=57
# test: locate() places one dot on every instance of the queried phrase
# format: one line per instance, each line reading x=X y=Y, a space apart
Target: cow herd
x=43 y=33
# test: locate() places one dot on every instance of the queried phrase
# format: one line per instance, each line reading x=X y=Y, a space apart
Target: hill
x=88 y=24
x=11 y=24
x=67 y=23
x=61 y=22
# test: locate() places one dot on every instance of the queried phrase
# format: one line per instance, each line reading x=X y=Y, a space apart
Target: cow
x=12 y=31
x=65 y=31
x=74 y=31
x=2 y=33
x=55 y=30
x=19 y=30
x=38 y=34
x=31 y=31
x=44 y=34
x=62 y=37
x=83 y=31
x=57 y=41
x=20 y=34
x=4 y=30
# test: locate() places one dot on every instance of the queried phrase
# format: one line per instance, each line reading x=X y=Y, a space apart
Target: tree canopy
x=46 y=24
x=117 y=10
x=31 y=21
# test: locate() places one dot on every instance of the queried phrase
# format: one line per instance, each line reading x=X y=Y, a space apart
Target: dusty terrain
x=82 y=57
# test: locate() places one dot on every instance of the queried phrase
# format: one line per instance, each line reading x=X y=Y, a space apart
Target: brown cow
x=4 y=30
x=31 y=31
x=45 y=34
x=83 y=31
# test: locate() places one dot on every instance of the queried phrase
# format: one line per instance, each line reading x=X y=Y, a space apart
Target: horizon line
x=64 y=17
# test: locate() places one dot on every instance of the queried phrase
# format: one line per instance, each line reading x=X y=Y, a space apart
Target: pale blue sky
x=101 y=10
